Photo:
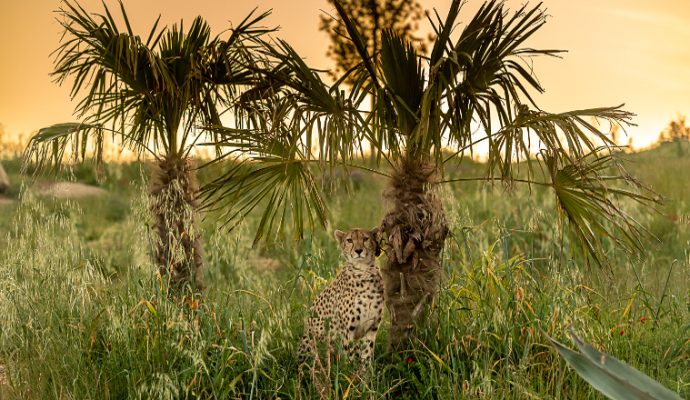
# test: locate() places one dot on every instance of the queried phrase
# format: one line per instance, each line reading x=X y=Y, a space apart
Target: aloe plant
x=612 y=377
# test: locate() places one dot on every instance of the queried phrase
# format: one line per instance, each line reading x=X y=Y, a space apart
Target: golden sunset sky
x=619 y=51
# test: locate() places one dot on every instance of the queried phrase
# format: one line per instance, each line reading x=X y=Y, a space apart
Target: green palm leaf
x=51 y=145
x=588 y=194
x=327 y=117
x=485 y=72
x=359 y=43
x=271 y=172
x=404 y=79
x=572 y=130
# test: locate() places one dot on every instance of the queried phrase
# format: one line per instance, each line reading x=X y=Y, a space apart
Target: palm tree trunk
x=4 y=180
x=416 y=230
x=174 y=204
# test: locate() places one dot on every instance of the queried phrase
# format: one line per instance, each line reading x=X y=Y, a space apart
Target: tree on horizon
x=675 y=130
x=373 y=17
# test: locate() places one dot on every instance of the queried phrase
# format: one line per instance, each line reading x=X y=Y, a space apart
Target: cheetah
x=351 y=307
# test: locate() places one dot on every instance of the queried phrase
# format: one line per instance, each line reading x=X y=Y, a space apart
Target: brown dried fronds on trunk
x=174 y=203
x=416 y=230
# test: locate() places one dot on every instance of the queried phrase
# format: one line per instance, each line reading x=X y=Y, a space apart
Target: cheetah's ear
x=376 y=237
x=339 y=236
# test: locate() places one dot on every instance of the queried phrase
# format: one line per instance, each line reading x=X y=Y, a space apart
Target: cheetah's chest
x=361 y=302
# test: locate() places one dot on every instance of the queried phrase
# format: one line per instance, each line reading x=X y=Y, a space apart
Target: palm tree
x=475 y=89
x=153 y=95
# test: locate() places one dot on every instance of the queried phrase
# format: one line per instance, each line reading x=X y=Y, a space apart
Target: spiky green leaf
x=613 y=378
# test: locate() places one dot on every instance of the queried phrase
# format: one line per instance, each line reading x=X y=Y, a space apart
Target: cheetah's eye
x=349 y=240
x=366 y=239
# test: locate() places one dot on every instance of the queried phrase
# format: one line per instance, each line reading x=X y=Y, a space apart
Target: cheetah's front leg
x=350 y=345
x=367 y=347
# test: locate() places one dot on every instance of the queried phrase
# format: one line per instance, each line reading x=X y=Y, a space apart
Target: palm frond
x=327 y=117
x=367 y=60
x=54 y=145
x=593 y=193
x=269 y=172
x=443 y=31
x=589 y=191
x=122 y=77
x=485 y=71
x=404 y=79
x=578 y=132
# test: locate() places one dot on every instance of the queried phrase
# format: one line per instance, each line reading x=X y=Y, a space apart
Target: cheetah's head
x=359 y=245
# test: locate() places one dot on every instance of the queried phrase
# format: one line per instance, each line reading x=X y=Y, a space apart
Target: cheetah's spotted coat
x=350 y=308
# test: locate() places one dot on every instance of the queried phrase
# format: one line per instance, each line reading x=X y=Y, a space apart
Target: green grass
x=84 y=316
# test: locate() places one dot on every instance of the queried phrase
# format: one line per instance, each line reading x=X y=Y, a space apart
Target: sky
x=635 y=52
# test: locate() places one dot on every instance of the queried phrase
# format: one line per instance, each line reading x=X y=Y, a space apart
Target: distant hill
x=666 y=169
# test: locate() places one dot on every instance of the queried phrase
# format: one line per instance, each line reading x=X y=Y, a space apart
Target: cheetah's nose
x=358 y=251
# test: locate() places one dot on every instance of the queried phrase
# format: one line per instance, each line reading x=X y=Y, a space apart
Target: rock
x=4 y=181
x=71 y=190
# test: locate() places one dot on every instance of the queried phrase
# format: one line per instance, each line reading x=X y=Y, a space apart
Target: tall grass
x=85 y=317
